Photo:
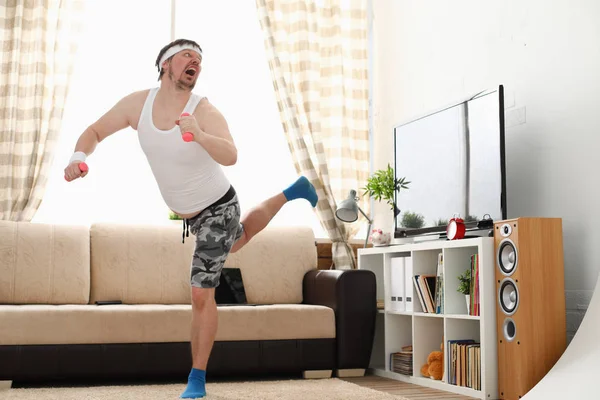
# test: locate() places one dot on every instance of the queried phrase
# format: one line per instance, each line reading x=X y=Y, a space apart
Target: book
x=464 y=363
x=425 y=287
x=401 y=361
x=474 y=286
x=439 y=285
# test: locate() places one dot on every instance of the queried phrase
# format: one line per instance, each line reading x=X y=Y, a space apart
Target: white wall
x=429 y=54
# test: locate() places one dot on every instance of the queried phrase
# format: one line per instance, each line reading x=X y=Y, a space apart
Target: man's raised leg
x=259 y=217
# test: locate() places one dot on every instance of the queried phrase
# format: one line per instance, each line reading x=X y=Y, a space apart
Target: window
x=116 y=57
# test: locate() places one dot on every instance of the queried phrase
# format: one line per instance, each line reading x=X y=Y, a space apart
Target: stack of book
x=401 y=362
x=464 y=363
x=430 y=289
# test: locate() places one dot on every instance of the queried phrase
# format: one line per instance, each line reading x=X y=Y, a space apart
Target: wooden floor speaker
x=530 y=301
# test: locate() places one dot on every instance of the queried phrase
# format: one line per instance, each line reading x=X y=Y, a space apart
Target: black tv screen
x=454 y=161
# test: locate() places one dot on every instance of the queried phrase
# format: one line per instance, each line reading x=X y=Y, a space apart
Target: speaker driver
x=509 y=329
x=508 y=296
x=507 y=257
x=505 y=230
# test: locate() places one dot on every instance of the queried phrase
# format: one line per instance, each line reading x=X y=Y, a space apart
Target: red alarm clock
x=455 y=228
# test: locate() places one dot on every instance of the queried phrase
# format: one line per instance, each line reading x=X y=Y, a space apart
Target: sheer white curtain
x=121 y=41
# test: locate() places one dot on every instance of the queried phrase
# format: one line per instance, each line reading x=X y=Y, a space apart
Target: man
x=191 y=180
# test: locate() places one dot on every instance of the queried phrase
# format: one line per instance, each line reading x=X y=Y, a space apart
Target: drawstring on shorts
x=186 y=230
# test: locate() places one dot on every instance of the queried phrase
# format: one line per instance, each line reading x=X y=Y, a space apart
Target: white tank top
x=187 y=176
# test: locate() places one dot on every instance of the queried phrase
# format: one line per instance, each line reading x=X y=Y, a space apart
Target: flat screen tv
x=454 y=161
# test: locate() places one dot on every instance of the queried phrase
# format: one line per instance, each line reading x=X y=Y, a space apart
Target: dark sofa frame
x=350 y=293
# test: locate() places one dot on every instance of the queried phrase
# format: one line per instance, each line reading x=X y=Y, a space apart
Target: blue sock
x=195 y=388
x=302 y=189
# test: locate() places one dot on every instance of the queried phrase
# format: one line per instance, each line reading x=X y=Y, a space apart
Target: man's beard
x=181 y=84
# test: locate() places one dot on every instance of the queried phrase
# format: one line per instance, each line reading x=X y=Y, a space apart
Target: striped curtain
x=318 y=57
x=38 y=46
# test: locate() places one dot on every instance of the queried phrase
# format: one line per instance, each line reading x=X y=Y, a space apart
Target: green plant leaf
x=382 y=185
x=464 y=285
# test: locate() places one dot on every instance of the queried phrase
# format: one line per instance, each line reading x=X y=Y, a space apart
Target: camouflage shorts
x=216 y=229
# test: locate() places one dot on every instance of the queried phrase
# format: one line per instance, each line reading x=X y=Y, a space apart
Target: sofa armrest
x=352 y=296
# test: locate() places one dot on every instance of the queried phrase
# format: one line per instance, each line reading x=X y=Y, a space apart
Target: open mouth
x=191 y=71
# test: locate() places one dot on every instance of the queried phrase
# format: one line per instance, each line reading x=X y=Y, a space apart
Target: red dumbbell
x=83 y=167
x=187 y=136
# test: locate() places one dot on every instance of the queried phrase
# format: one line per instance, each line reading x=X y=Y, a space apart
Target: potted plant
x=412 y=220
x=382 y=185
x=464 y=287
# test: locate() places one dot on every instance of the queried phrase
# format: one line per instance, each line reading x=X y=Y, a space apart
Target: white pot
x=468 y=300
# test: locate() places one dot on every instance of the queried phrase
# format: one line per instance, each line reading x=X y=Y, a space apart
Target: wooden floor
x=408 y=390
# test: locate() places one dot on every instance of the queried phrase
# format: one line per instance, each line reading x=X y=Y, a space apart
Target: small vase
x=468 y=300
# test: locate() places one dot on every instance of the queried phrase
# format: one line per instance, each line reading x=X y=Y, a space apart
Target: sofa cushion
x=274 y=263
x=88 y=324
x=44 y=264
x=140 y=264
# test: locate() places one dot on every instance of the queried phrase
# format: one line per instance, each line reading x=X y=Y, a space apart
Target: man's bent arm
x=215 y=136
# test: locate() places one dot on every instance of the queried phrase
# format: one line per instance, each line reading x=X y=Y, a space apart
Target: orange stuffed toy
x=434 y=368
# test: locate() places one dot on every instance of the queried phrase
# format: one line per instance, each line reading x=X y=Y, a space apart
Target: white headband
x=176 y=49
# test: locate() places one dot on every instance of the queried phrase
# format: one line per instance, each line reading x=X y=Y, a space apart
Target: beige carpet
x=317 y=389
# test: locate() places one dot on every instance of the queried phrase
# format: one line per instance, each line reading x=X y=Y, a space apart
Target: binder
x=408 y=284
x=397 y=286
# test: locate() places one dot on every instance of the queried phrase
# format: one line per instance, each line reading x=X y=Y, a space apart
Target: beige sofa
x=308 y=321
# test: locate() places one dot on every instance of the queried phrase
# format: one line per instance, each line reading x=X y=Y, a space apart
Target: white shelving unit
x=426 y=331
